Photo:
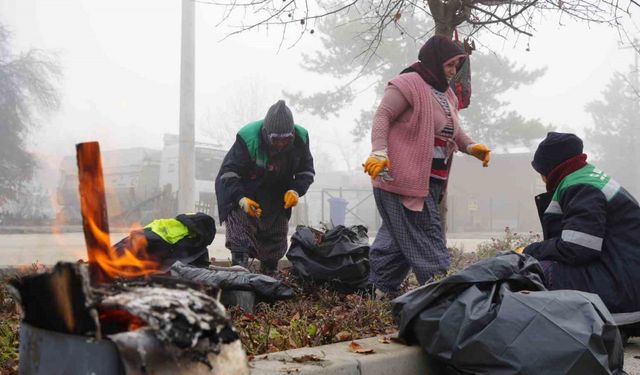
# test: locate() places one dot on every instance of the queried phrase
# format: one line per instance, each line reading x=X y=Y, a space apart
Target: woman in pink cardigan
x=415 y=132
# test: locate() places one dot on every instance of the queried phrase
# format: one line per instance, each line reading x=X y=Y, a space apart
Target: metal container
x=44 y=352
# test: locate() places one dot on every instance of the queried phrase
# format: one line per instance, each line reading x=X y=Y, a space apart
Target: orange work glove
x=250 y=207
x=290 y=199
x=480 y=151
x=519 y=250
x=376 y=162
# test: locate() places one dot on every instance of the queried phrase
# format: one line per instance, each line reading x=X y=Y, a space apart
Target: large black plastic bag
x=266 y=287
x=496 y=317
x=339 y=256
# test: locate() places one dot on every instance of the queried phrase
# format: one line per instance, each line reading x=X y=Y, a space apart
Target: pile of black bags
x=339 y=256
x=496 y=317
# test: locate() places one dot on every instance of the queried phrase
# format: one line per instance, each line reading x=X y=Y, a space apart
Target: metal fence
x=314 y=208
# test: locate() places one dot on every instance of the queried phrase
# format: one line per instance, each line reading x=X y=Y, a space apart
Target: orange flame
x=132 y=262
x=121 y=318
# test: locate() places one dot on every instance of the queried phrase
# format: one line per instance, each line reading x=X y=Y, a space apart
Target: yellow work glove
x=290 y=199
x=519 y=250
x=481 y=152
x=250 y=207
x=376 y=162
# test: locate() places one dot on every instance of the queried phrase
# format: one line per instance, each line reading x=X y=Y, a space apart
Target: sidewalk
x=391 y=358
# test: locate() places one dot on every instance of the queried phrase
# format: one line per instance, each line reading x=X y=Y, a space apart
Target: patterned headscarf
x=434 y=54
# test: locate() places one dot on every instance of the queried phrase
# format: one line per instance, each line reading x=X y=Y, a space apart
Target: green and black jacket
x=591 y=228
x=249 y=171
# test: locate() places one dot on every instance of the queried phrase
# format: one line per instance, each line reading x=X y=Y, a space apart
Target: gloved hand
x=481 y=152
x=519 y=250
x=250 y=207
x=376 y=162
x=290 y=199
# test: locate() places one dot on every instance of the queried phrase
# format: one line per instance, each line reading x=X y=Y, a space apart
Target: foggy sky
x=121 y=72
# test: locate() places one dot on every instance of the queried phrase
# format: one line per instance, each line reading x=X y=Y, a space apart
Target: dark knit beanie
x=278 y=120
x=554 y=149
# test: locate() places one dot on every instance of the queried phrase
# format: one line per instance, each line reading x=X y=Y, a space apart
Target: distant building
x=130 y=177
x=209 y=158
x=490 y=199
x=141 y=183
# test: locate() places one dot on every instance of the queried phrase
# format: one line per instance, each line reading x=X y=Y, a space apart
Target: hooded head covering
x=434 y=54
x=555 y=149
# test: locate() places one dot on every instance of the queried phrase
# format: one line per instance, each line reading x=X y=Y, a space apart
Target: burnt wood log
x=93 y=204
x=159 y=324
x=59 y=300
x=183 y=327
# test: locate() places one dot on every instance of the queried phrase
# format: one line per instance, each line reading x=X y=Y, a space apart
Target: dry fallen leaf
x=307 y=358
x=289 y=370
x=357 y=348
x=343 y=336
x=384 y=339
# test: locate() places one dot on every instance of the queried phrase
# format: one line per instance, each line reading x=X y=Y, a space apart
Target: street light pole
x=186 y=146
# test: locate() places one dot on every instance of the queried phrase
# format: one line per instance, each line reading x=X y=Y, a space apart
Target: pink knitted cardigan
x=409 y=138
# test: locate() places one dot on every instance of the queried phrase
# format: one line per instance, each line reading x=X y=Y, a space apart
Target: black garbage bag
x=496 y=317
x=266 y=287
x=166 y=241
x=339 y=256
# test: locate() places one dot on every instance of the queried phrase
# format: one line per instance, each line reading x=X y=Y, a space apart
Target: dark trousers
x=407 y=240
x=264 y=238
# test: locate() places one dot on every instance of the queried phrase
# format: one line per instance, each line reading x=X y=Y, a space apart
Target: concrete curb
x=335 y=359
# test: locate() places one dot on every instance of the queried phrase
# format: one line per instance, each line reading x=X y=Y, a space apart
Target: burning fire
x=122 y=318
x=132 y=262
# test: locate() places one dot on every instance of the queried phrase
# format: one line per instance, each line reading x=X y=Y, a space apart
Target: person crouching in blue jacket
x=261 y=178
x=590 y=224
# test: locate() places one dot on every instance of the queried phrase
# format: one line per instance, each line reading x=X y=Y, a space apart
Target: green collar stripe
x=251 y=135
x=589 y=175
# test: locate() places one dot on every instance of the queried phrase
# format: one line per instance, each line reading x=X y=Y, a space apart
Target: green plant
x=9 y=337
x=9 y=340
x=316 y=316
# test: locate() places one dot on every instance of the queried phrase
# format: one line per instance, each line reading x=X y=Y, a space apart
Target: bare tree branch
x=500 y=17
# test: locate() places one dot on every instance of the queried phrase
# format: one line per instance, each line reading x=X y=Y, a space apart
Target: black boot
x=240 y=258
x=269 y=268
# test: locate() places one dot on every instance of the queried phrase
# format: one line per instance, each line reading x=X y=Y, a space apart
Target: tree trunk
x=444 y=29
x=446 y=17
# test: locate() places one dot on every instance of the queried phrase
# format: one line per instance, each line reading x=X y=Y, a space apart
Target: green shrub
x=9 y=337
